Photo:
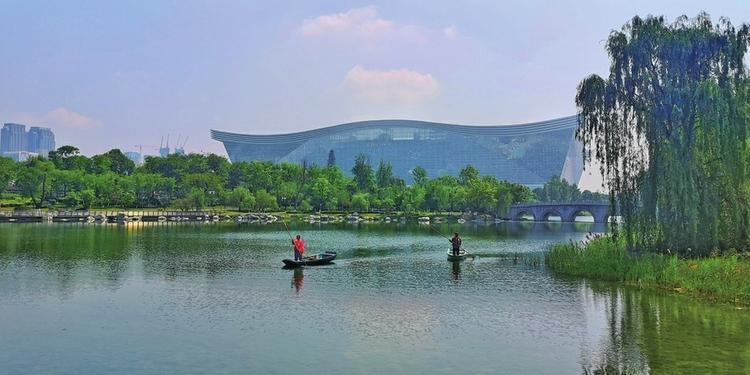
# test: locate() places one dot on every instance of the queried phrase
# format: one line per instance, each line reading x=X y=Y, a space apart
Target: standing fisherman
x=299 y=247
x=456 y=243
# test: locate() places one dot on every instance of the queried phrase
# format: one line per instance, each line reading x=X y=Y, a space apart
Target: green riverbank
x=723 y=278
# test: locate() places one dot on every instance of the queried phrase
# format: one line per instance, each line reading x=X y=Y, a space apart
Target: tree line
x=110 y=180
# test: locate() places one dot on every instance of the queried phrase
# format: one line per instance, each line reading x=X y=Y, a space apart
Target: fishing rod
x=438 y=232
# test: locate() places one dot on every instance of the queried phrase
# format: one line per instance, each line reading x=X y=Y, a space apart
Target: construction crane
x=180 y=148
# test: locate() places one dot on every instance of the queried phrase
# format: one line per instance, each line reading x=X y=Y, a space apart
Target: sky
x=116 y=74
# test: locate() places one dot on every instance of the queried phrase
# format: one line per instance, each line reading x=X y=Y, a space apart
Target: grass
x=723 y=278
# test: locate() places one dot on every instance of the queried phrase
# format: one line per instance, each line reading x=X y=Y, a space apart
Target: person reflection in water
x=298 y=280
x=456 y=270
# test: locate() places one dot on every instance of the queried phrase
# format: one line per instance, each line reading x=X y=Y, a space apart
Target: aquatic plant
x=723 y=277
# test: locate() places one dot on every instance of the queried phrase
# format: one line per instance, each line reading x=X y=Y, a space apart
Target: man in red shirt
x=299 y=247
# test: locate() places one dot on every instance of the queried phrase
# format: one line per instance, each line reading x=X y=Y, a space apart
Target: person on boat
x=456 y=243
x=299 y=247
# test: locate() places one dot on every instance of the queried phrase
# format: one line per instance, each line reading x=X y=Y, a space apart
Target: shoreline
x=718 y=279
x=224 y=214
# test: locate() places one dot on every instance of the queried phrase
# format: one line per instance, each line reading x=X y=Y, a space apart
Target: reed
x=724 y=278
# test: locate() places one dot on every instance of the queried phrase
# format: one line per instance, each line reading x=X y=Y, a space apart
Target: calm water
x=212 y=298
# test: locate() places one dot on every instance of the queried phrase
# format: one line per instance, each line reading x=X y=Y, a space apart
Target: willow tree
x=669 y=127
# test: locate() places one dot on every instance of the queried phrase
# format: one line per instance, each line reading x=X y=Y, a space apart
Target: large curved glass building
x=524 y=153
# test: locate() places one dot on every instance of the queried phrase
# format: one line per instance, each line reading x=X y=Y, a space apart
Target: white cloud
x=362 y=24
x=60 y=117
x=401 y=86
x=364 y=20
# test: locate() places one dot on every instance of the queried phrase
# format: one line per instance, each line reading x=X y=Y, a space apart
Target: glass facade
x=528 y=153
x=13 y=138
x=16 y=143
x=40 y=140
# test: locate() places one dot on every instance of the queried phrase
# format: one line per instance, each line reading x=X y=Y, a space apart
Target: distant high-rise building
x=12 y=138
x=134 y=156
x=40 y=140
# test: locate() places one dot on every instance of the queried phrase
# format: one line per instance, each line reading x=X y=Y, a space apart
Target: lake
x=213 y=298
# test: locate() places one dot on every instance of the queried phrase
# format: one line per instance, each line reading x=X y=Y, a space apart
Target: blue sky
x=110 y=74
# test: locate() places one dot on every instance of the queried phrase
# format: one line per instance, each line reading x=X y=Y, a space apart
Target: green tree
x=384 y=175
x=362 y=171
x=195 y=199
x=209 y=183
x=669 y=127
x=504 y=200
x=112 y=190
x=83 y=199
x=65 y=181
x=153 y=189
x=237 y=175
x=481 y=194
x=413 y=198
x=322 y=192
x=35 y=180
x=241 y=198
x=419 y=175
x=558 y=190
x=467 y=174
x=265 y=201
x=114 y=161
x=7 y=173
x=361 y=202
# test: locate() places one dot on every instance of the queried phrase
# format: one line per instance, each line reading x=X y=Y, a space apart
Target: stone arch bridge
x=567 y=211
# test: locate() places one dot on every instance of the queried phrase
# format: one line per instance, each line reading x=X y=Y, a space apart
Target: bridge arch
x=546 y=214
x=578 y=212
x=521 y=215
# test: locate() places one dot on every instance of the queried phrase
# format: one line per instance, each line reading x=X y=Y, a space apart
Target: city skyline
x=18 y=144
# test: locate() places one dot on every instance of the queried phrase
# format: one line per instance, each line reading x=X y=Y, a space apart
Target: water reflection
x=383 y=308
x=298 y=279
x=456 y=266
x=659 y=332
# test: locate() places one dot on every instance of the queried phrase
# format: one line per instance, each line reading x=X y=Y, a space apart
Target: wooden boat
x=461 y=255
x=313 y=260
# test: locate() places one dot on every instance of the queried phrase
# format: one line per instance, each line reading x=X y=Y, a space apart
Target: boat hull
x=314 y=260
x=461 y=255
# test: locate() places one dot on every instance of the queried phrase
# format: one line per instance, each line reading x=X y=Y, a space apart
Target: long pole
x=287 y=230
